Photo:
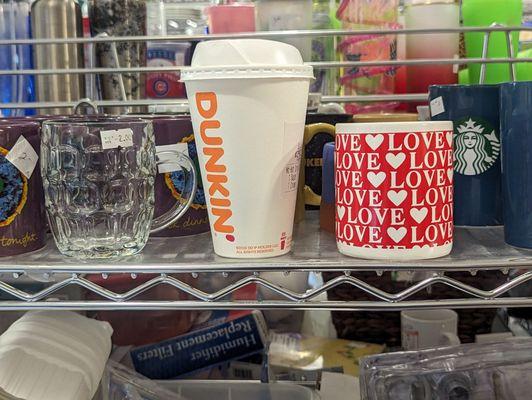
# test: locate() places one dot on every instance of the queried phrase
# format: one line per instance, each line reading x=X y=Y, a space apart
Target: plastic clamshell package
x=485 y=372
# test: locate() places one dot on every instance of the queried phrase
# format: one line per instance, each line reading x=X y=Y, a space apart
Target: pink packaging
x=231 y=18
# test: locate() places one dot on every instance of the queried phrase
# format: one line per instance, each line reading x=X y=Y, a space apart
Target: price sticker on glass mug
x=116 y=138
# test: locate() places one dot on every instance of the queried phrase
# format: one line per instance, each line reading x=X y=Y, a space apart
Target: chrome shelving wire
x=287 y=294
x=148 y=102
x=419 y=97
x=262 y=35
x=145 y=305
x=317 y=64
x=382 y=301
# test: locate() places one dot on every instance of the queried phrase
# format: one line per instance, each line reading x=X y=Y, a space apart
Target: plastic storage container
x=488 y=372
x=239 y=391
x=431 y=14
x=231 y=18
x=360 y=15
x=279 y=15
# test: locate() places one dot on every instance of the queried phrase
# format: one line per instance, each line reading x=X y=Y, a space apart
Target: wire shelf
x=314 y=250
x=416 y=97
x=381 y=301
x=264 y=35
x=172 y=260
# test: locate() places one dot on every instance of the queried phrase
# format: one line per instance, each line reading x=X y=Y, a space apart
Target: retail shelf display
x=170 y=260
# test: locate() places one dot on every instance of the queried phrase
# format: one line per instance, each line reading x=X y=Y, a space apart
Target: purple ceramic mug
x=22 y=217
x=176 y=132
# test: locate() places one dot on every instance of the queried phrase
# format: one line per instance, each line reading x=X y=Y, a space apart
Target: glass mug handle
x=189 y=189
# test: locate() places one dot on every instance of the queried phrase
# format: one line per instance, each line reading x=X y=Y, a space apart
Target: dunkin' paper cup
x=248 y=102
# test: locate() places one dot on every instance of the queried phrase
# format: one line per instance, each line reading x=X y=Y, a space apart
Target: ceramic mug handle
x=449 y=339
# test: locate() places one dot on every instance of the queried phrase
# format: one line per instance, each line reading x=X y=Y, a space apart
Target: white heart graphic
x=396 y=234
x=340 y=210
x=376 y=178
x=374 y=141
x=395 y=160
x=449 y=137
x=397 y=197
x=419 y=214
x=450 y=174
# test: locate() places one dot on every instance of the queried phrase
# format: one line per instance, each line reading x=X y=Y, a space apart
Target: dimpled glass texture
x=99 y=202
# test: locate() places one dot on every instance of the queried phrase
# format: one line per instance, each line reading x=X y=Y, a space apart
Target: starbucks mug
x=474 y=110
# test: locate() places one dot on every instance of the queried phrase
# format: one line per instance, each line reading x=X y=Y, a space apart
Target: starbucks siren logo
x=476 y=147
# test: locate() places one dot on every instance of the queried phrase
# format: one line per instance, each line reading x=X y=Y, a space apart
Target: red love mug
x=394 y=190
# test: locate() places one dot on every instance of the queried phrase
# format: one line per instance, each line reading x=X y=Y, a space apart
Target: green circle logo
x=476 y=146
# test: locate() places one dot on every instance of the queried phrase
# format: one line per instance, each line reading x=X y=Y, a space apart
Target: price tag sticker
x=23 y=157
x=116 y=138
x=436 y=106
x=290 y=178
x=456 y=66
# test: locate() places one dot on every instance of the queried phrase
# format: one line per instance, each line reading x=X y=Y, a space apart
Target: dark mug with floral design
x=474 y=110
x=175 y=133
x=22 y=217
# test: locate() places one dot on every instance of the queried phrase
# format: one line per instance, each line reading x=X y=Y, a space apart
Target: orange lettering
x=216 y=185
x=211 y=100
x=223 y=215
x=207 y=105
x=220 y=202
x=214 y=154
x=211 y=124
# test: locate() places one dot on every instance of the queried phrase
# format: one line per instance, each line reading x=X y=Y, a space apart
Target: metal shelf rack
x=413 y=97
x=170 y=259
x=178 y=262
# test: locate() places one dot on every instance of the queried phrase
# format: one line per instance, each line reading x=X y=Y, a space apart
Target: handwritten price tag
x=436 y=106
x=23 y=157
x=290 y=177
x=116 y=138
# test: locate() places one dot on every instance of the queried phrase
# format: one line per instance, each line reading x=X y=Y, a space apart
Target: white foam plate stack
x=54 y=356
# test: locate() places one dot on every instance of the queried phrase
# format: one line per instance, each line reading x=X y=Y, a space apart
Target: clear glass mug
x=98 y=176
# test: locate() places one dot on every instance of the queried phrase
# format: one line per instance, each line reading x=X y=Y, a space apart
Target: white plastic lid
x=246 y=58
